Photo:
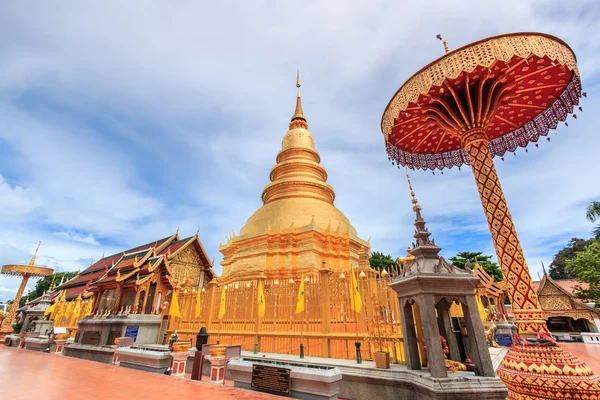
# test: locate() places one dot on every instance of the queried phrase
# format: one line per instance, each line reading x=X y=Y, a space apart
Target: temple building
x=562 y=310
x=136 y=281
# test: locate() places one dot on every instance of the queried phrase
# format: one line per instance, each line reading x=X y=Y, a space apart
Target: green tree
x=592 y=214
x=379 y=261
x=492 y=268
x=43 y=285
x=586 y=267
x=558 y=266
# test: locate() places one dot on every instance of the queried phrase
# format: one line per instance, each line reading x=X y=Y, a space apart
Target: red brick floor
x=27 y=375
x=588 y=353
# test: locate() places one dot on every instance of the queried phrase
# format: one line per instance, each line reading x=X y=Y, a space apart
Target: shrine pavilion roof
x=567 y=285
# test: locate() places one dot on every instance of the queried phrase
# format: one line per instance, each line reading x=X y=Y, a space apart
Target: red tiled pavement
x=27 y=375
x=588 y=353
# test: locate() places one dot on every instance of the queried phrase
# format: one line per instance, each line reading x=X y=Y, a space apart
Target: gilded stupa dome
x=298 y=194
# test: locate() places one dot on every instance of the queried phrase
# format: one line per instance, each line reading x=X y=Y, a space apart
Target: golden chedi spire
x=291 y=233
x=298 y=119
x=298 y=187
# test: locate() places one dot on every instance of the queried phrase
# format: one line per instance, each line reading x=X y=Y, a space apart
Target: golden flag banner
x=50 y=309
x=198 y=299
x=482 y=314
x=222 y=303
x=86 y=308
x=355 y=293
x=261 y=298
x=174 y=308
x=300 y=303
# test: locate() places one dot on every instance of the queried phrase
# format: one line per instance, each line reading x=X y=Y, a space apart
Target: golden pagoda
x=297 y=275
x=298 y=227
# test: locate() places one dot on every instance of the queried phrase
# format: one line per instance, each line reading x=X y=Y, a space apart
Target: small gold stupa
x=298 y=227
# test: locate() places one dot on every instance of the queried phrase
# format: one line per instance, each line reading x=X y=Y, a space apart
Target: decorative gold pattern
x=528 y=314
x=466 y=59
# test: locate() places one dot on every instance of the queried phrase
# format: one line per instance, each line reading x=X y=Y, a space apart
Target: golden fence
x=328 y=327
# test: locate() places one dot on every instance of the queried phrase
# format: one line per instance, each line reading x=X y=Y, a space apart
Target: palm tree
x=592 y=214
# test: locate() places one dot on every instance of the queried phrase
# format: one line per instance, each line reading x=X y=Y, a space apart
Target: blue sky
x=120 y=122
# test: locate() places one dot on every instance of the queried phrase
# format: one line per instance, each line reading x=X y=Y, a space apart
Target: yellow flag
x=198 y=308
x=49 y=310
x=222 y=303
x=482 y=314
x=300 y=303
x=174 y=308
x=261 y=298
x=356 y=300
x=88 y=309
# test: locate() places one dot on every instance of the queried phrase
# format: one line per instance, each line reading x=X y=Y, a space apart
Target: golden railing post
x=325 y=316
x=213 y=295
x=258 y=319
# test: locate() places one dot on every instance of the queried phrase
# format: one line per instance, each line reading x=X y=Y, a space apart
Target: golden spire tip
x=412 y=192
x=298 y=113
x=35 y=253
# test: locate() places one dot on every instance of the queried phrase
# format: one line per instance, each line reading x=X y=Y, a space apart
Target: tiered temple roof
x=127 y=265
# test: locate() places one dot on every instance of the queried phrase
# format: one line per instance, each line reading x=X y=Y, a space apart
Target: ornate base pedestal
x=59 y=346
x=217 y=369
x=546 y=372
x=179 y=361
x=5 y=330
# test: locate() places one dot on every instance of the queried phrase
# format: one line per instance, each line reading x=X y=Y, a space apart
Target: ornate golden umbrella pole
x=25 y=272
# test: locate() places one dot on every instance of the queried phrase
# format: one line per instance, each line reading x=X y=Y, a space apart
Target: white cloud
x=128 y=120
x=16 y=201
x=89 y=239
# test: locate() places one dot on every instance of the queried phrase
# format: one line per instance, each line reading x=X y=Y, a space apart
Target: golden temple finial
x=35 y=254
x=415 y=202
x=444 y=42
x=298 y=113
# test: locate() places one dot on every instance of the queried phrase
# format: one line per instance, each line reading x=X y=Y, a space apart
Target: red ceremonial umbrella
x=477 y=102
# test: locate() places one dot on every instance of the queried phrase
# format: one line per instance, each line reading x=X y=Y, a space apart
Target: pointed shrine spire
x=415 y=202
x=35 y=254
x=298 y=113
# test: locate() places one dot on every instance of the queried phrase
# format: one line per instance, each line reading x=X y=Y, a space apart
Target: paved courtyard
x=30 y=375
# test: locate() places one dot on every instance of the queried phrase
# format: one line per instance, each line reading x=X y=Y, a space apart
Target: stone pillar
x=437 y=364
x=411 y=349
x=419 y=326
x=479 y=349
x=444 y=316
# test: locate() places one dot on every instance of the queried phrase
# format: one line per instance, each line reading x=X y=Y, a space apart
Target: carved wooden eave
x=157 y=262
x=173 y=284
x=487 y=281
x=166 y=243
x=139 y=281
x=121 y=278
x=142 y=261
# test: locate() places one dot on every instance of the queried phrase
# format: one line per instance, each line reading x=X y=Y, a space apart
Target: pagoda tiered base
x=547 y=372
